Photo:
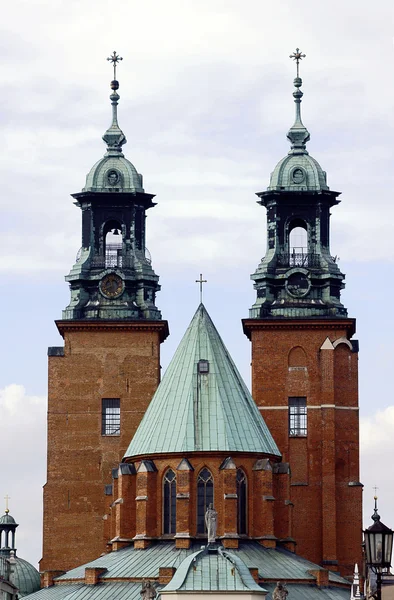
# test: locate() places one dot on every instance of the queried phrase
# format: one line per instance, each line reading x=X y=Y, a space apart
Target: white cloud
x=23 y=443
x=377 y=452
x=205 y=104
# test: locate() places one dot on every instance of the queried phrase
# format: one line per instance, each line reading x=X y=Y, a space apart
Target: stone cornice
x=250 y=325
x=106 y=325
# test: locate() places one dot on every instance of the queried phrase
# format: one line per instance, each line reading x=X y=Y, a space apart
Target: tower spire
x=114 y=136
x=298 y=134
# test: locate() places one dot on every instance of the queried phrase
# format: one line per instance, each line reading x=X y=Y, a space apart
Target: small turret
x=22 y=574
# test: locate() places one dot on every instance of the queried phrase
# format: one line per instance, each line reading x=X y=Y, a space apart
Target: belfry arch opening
x=112 y=235
x=298 y=243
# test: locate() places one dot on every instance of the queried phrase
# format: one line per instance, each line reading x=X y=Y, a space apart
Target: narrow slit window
x=242 y=502
x=297 y=416
x=169 y=502
x=110 y=416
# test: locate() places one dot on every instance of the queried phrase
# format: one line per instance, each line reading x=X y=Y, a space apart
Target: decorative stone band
x=273 y=324
x=106 y=325
x=310 y=407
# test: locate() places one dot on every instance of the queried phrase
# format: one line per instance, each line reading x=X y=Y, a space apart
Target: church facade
x=130 y=474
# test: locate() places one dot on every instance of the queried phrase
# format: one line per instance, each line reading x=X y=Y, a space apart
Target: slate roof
x=129 y=563
x=192 y=411
x=271 y=563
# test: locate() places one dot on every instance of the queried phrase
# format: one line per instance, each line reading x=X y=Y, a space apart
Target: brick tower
x=304 y=362
x=102 y=380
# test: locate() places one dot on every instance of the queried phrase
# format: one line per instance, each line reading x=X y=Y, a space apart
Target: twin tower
x=304 y=361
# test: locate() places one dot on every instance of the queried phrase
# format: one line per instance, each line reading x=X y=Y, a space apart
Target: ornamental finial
x=114 y=136
x=6 y=498
x=297 y=56
x=375 y=517
x=298 y=134
x=114 y=59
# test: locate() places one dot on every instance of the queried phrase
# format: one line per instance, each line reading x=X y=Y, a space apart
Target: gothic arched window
x=204 y=497
x=242 y=501
x=169 y=502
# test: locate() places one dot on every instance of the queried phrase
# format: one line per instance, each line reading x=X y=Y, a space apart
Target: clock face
x=298 y=285
x=111 y=286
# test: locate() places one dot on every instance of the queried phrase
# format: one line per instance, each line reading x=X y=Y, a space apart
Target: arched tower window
x=298 y=243
x=204 y=497
x=169 y=502
x=113 y=244
x=242 y=501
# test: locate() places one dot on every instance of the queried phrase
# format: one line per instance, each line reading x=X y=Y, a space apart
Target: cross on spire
x=201 y=281
x=6 y=498
x=114 y=59
x=375 y=488
x=297 y=56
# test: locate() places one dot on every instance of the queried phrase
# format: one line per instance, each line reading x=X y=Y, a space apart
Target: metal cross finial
x=201 y=281
x=6 y=498
x=114 y=59
x=297 y=56
x=375 y=488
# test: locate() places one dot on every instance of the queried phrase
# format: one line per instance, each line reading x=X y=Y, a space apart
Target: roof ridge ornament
x=298 y=134
x=114 y=136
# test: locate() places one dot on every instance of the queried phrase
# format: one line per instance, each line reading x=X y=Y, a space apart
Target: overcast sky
x=206 y=101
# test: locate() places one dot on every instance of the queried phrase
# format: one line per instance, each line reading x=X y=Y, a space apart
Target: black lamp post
x=378 y=547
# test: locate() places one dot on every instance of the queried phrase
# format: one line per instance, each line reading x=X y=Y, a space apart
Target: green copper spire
x=298 y=134
x=202 y=403
x=114 y=136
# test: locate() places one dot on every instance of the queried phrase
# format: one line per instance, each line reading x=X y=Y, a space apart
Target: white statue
x=211 y=521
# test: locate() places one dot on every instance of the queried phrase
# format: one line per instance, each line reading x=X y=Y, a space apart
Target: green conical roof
x=195 y=411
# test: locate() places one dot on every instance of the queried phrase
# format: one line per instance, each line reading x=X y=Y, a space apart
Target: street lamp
x=378 y=547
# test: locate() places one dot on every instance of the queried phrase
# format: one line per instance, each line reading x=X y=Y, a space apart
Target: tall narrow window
x=204 y=497
x=297 y=416
x=169 y=502
x=110 y=416
x=242 y=501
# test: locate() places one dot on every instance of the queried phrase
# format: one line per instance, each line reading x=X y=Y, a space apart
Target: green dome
x=7 y=520
x=113 y=173
x=25 y=577
x=298 y=172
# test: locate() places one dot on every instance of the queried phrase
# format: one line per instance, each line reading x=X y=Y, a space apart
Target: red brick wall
x=98 y=362
x=327 y=510
x=147 y=508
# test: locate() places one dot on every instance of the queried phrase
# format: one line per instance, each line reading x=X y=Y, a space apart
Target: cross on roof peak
x=114 y=59
x=201 y=281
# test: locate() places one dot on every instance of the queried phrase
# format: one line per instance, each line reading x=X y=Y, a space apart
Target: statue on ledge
x=211 y=521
